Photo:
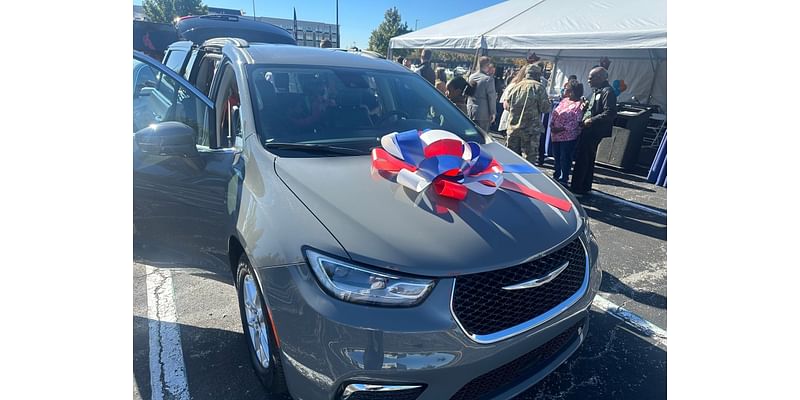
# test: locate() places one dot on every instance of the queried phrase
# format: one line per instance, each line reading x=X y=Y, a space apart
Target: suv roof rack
x=236 y=42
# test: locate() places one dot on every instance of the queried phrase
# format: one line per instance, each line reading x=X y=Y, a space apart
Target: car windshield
x=348 y=107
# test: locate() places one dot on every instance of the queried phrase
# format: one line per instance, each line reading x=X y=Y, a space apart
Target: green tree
x=389 y=28
x=167 y=10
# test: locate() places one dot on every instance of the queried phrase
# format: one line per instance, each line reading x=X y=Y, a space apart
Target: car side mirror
x=167 y=139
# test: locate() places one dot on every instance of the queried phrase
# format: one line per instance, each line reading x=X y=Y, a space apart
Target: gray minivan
x=382 y=246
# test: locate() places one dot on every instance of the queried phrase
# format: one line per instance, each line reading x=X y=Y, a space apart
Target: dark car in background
x=198 y=29
x=351 y=285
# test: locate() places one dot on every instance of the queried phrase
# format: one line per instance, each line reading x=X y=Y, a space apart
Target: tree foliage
x=167 y=10
x=389 y=28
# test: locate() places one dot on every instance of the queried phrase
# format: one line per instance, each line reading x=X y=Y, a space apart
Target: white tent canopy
x=574 y=34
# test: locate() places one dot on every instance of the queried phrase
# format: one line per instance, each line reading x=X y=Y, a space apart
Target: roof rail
x=236 y=42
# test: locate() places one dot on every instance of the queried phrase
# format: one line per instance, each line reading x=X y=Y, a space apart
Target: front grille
x=483 y=307
x=500 y=379
x=409 y=394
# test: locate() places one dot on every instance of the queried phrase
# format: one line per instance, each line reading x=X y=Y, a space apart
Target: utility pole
x=338 y=38
x=254 y=10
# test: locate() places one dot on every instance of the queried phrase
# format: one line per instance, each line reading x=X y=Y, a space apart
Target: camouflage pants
x=524 y=142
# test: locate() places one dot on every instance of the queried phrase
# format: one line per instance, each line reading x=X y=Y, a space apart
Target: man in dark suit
x=481 y=105
x=598 y=121
x=425 y=69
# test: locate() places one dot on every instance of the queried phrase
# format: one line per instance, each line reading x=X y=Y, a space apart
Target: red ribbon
x=561 y=204
x=446 y=188
x=383 y=161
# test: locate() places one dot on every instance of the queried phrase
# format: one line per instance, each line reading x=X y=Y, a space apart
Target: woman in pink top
x=564 y=129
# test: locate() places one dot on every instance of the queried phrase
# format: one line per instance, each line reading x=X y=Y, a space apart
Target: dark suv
x=198 y=54
x=382 y=245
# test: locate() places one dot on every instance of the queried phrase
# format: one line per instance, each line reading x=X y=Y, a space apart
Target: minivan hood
x=383 y=224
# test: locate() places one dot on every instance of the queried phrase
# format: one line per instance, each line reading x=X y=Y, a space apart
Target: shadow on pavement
x=172 y=253
x=614 y=362
x=625 y=217
x=638 y=174
x=217 y=363
x=603 y=180
x=611 y=284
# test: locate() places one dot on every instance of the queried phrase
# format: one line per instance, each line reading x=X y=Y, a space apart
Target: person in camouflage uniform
x=527 y=101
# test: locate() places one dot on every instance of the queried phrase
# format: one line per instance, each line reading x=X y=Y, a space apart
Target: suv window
x=175 y=58
x=162 y=98
x=337 y=105
x=227 y=104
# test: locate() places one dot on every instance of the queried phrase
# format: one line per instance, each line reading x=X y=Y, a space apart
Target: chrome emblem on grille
x=538 y=281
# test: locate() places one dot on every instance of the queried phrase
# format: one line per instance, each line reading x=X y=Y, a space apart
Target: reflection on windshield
x=348 y=107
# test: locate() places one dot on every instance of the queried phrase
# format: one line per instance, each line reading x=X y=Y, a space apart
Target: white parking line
x=629 y=203
x=641 y=324
x=167 y=370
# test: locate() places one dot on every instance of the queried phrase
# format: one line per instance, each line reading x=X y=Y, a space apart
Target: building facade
x=309 y=33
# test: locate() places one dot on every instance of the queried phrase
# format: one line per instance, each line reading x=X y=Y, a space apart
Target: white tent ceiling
x=517 y=26
x=574 y=34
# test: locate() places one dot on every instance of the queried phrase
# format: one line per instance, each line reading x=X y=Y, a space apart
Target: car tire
x=256 y=323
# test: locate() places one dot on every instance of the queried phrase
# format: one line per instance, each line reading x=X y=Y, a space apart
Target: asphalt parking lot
x=624 y=355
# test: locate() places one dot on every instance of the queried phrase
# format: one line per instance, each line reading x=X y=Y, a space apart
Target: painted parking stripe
x=644 y=326
x=167 y=369
x=629 y=203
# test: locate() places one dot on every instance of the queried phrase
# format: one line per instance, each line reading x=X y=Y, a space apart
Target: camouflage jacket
x=527 y=102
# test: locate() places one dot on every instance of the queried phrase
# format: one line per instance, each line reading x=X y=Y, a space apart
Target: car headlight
x=356 y=284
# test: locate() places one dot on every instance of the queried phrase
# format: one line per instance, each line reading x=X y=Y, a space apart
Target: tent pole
x=653 y=84
x=553 y=73
x=655 y=76
x=389 y=54
x=477 y=55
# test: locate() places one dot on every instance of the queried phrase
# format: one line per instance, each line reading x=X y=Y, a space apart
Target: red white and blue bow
x=452 y=165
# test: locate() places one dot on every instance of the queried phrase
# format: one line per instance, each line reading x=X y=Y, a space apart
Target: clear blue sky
x=357 y=18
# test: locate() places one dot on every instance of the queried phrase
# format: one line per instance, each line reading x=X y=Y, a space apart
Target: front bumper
x=327 y=344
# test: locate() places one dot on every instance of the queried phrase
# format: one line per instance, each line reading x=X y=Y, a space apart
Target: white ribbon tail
x=412 y=181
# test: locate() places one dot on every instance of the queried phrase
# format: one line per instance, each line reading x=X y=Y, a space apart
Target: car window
x=338 y=105
x=142 y=75
x=188 y=71
x=175 y=58
x=162 y=98
x=227 y=104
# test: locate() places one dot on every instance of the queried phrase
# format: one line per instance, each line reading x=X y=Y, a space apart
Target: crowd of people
x=515 y=101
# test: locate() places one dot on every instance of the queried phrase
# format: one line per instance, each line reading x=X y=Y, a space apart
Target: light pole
x=338 y=38
x=416 y=22
x=254 y=10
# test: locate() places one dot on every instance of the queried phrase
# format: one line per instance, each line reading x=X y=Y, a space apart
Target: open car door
x=185 y=188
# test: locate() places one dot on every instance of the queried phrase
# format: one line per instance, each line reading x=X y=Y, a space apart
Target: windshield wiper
x=315 y=147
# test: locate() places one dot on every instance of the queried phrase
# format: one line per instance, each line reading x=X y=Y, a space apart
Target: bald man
x=598 y=120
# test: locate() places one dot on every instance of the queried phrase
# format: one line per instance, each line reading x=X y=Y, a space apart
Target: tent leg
x=655 y=66
x=389 y=54
x=653 y=84
x=475 y=61
x=553 y=75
